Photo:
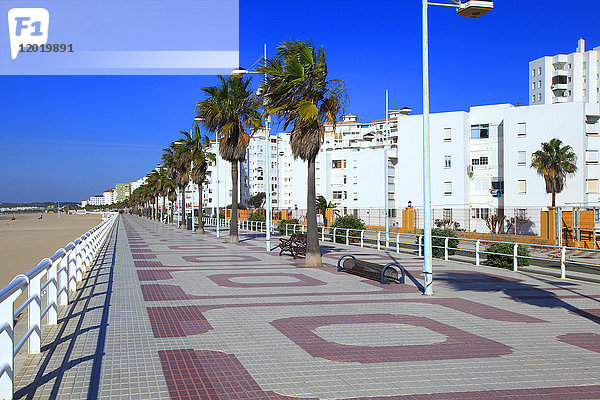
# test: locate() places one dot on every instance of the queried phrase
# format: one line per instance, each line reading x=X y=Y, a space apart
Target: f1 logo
x=27 y=26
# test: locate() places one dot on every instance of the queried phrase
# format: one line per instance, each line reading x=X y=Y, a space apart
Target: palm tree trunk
x=553 y=199
x=233 y=229
x=313 y=251
x=182 y=222
x=162 y=209
x=200 y=213
x=171 y=212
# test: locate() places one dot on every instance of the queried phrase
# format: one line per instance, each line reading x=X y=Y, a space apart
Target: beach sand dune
x=27 y=240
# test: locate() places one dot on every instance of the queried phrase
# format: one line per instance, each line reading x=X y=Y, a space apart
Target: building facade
x=123 y=191
x=566 y=78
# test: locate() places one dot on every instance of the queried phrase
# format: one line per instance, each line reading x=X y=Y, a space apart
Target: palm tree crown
x=554 y=162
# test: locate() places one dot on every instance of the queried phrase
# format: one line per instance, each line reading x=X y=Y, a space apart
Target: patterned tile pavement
x=166 y=313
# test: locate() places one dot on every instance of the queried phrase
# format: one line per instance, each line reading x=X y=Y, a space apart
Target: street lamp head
x=409 y=203
x=475 y=8
x=239 y=72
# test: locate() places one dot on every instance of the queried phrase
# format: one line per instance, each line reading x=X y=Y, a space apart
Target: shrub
x=285 y=222
x=506 y=261
x=437 y=243
x=351 y=222
x=256 y=217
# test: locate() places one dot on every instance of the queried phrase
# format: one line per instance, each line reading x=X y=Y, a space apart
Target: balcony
x=592 y=129
x=559 y=88
x=556 y=100
x=559 y=72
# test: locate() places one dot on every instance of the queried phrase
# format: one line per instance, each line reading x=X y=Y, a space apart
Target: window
x=584 y=65
x=480 y=185
x=591 y=156
x=521 y=157
x=539 y=84
x=533 y=72
x=539 y=97
x=521 y=129
x=447 y=188
x=355 y=196
x=521 y=186
x=336 y=164
x=337 y=195
x=521 y=213
x=532 y=85
x=591 y=185
x=480 y=131
x=480 y=161
x=447 y=134
x=480 y=213
x=539 y=70
x=447 y=214
x=354 y=164
x=533 y=98
x=447 y=161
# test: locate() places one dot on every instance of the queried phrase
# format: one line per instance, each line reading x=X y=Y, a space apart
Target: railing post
x=79 y=261
x=362 y=238
x=334 y=235
x=63 y=280
x=294 y=231
x=378 y=240
x=420 y=246
x=347 y=236
x=477 y=252
x=515 y=259
x=33 y=313
x=286 y=228
x=51 y=291
x=72 y=270
x=446 y=248
x=7 y=356
x=397 y=243
x=563 y=266
x=323 y=234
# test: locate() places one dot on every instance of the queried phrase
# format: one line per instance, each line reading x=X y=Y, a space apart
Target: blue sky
x=66 y=138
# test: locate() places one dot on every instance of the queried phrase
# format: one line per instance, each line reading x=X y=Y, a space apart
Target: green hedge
x=500 y=261
x=285 y=222
x=256 y=217
x=351 y=222
x=438 y=243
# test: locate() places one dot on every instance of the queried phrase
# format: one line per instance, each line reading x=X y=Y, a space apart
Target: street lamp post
x=385 y=166
x=217 y=181
x=469 y=9
x=239 y=73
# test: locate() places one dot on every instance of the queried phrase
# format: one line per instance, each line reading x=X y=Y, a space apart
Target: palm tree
x=322 y=206
x=554 y=162
x=297 y=90
x=196 y=146
x=231 y=111
x=178 y=165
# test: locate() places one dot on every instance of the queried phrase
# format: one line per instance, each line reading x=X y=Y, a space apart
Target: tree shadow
x=517 y=290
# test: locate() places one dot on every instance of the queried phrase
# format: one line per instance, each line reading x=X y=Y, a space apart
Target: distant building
x=123 y=191
x=109 y=196
x=84 y=203
x=138 y=183
x=566 y=78
x=96 y=200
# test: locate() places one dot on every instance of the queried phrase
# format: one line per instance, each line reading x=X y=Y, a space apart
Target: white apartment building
x=110 y=196
x=138 y=183
x=566 y=78
x=96 y=200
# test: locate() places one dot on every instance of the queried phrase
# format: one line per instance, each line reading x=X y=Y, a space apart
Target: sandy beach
x=27 y=240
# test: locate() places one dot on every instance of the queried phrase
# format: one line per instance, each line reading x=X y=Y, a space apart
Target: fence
x=553 y=256
x=62 y=271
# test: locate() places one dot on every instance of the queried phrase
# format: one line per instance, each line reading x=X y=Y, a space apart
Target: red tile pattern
x=177 y=321
x=588 y=341
x=156 y=292
x=153 y=275
x=210 y=375
x=221 y=258
x=300 y=280
x=458 y=345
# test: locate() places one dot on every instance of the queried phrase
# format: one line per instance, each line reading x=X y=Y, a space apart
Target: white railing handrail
x=62 y=270
x=394 y=238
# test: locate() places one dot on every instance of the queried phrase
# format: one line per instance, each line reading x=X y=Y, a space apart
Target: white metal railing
x=62 y=271
x=557 y=255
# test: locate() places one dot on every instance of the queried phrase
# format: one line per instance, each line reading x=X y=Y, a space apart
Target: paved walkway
x=166 y=313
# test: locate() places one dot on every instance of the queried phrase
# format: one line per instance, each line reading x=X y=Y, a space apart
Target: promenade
x=168 y=314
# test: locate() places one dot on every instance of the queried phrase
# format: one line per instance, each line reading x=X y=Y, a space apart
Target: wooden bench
x=296 y=244
x=391 y=272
